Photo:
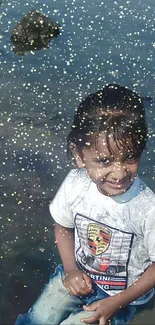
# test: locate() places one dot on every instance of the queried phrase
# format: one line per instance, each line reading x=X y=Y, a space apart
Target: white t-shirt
x=114 y=236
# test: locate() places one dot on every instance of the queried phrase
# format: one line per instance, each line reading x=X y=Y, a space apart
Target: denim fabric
x=57 y=306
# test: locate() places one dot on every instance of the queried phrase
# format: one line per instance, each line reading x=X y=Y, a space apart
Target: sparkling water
x=100 y=42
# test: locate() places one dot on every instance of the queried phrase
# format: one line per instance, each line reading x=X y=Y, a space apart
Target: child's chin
x=118 y=192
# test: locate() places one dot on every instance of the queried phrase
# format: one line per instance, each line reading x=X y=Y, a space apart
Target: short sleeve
x=59 y=207
x=149 y=233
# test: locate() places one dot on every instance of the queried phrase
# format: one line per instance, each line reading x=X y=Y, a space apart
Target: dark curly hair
x=114 y=110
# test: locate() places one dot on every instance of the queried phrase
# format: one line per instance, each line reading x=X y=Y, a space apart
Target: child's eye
x=104 y=162
x=131 y=158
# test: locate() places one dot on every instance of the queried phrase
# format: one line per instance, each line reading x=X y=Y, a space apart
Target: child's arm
x=106 y=308
x=76 y=281
x=65 y=243
x=145 y=283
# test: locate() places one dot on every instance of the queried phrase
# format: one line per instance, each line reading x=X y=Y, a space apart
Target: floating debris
x=33 y=32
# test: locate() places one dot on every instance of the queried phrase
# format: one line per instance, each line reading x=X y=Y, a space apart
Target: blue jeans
x=57 y=306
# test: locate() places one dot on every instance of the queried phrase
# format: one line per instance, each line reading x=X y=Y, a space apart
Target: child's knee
x=27 y=319
x=75 y=318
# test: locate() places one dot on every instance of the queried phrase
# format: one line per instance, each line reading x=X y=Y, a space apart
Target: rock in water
x=34 y=32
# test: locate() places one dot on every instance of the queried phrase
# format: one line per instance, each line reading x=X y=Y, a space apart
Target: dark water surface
x=100 y=42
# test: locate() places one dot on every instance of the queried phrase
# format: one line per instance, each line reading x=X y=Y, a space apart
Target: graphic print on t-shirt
x=98 y=238
x=103 y=252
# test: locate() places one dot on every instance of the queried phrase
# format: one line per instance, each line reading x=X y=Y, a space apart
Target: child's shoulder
x=145 y=200
x=76 y=184
x=77 y=177
x=146 y=191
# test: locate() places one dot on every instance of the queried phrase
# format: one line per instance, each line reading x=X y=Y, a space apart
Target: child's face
x=113 y=175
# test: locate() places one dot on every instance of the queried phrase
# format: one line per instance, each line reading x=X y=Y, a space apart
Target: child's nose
x=119 y=171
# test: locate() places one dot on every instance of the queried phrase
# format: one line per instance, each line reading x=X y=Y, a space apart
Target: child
x=104 y=219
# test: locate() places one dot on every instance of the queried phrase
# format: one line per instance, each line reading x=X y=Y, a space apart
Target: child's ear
x=77 y=156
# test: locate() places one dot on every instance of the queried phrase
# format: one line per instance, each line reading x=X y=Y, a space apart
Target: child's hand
x=78 y=283
x=103 y=311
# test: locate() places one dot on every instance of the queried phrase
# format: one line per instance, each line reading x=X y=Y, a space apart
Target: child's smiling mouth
x=122 y=184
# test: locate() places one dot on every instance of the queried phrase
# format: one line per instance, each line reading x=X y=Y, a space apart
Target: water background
x=101 y=42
